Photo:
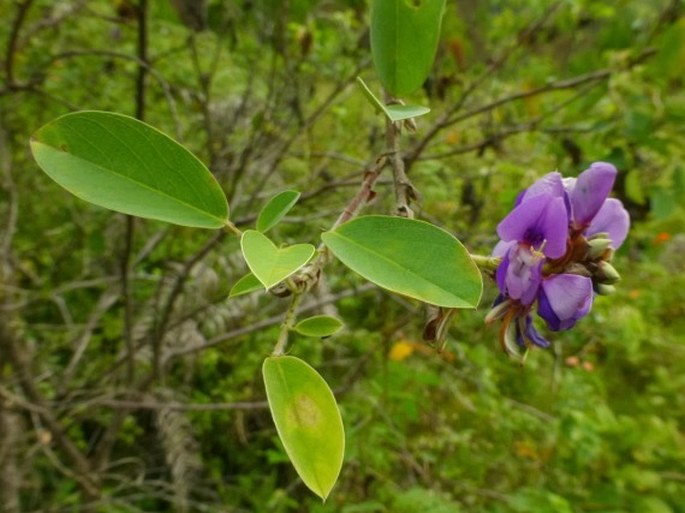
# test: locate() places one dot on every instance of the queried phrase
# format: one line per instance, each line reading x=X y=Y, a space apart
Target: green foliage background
x=264 y=93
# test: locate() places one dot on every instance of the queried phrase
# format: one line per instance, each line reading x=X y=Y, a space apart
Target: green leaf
x=393 y=112
x=270 y=264
x=371 y=97
x=276 y=208
x=400 y=112
x=120 y=163
x=404 y=39
x=410 y=257
x=318 y=326
x=245 y=285
x=307 y=420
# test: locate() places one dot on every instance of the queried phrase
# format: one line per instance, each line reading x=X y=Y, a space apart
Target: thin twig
x=404 y=190
x=10 y=54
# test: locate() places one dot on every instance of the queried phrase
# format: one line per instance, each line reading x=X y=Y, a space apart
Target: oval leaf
x=404 y=39
x=123 y=164
x=270 y=264
x=307 y=420
x=410 y=257
x=318 y=326
x=276 y=209
x=245 y=285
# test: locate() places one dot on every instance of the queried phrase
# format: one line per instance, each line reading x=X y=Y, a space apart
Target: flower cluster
x=555 y=249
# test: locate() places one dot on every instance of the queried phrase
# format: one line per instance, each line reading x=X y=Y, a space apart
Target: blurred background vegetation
x=129 y=382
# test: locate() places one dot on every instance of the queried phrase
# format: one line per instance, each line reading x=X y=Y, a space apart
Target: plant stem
x=486 y=263
x=404 y=190
x=229 y=227
x=286 y=326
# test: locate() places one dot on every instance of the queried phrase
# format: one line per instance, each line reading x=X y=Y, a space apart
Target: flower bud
x=597 y=248
x=606 y=274
x=603 y=289
x=498 y=311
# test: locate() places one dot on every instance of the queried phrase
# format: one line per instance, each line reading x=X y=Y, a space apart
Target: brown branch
x=163 y=320
x=146 y=64
x=266 y=323
x=10 y=54
x=10 y=482
x=177 y=406
x=532 y=125
x=21 y=367
x=496 y=64
x=143 y=65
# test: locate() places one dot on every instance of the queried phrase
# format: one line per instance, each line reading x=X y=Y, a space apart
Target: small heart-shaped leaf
x=276 y=208
x=245 y=285
x=271 y=264
x=307 y=419
x=318 y=326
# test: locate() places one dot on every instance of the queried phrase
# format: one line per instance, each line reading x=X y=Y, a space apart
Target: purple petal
x=502 y=248
x=519 y=197
x=540 y=218
x=522 y=218
x=550 y=184
x=501 y=273
x=522 y=275
x=564 y=299
x=554 y=226
x=533 y=335
x=547 y=313
x=590 y=191
x=530 y=291
x=613 y=219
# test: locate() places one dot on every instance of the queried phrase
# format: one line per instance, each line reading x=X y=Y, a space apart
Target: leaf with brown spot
x=307 y=420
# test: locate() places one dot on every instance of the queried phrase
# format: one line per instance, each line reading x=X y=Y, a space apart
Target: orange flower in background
x=661 y=238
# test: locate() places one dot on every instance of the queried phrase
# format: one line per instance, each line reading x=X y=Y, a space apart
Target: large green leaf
x=269 y=263
x=413 y=258
x=120 y=163
x=404 y=39
x=307 y=419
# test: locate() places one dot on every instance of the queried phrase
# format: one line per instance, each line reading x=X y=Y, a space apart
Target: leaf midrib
x=129 y=179
x=397 y=266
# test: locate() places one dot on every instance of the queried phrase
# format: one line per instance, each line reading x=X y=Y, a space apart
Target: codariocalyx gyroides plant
x=555 y=249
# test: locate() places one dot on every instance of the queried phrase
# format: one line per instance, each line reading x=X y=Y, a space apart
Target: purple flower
x=535 y=230
x=555 y=249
